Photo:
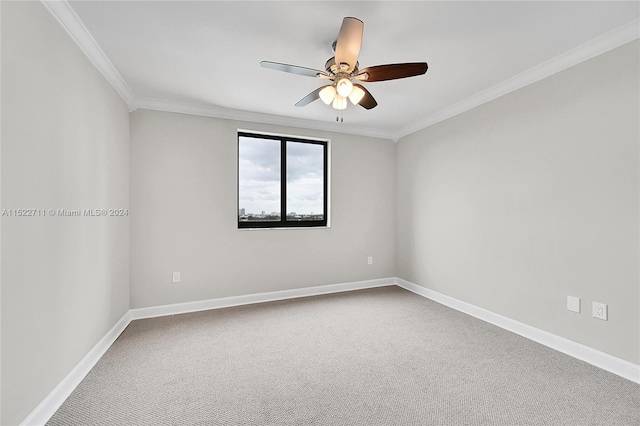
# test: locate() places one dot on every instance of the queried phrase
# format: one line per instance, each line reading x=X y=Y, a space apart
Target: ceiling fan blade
x=367 y=101
x=393 y=71
x=310 y=97
x=349 y=42
x=293 y=69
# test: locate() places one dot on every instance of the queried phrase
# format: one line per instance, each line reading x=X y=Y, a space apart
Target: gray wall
x=516 y=204
x=511 y=207
x=184 y=215
x=65 y=133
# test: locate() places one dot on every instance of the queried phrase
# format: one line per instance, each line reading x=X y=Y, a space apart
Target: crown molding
x=73 y=25
x=599 y=45
x=255 y=117
x=70 y=21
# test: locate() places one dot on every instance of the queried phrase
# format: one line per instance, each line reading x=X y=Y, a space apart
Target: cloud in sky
x=259 y=176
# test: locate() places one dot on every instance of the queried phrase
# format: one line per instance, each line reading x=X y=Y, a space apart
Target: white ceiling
x=204 y=57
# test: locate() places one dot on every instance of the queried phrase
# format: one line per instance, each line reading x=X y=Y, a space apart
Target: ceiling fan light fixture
x=340 y=102
x=356 y=95
x=327 y=94
x=344 y=86
x=343 y=67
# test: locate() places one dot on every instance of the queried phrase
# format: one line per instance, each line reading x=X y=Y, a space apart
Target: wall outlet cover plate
x=600 y=311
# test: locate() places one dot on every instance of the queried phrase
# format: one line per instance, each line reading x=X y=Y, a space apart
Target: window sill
x=295 y=228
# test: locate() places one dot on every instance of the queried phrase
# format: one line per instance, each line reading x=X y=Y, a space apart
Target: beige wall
x=184 y=215
x=65 y=280
x=516 y=204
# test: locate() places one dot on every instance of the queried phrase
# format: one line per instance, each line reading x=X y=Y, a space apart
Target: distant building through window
x=282 y=181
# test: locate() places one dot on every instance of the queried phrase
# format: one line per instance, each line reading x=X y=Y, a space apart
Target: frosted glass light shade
x=327 y=94
x=340 y=102
x=344 y=86
x=356 y=95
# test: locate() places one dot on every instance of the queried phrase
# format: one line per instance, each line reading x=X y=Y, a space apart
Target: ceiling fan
x=342 y=69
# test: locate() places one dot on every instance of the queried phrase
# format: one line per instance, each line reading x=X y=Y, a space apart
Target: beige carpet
x=373 y=357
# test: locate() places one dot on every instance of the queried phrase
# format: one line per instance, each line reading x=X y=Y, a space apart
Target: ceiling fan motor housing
x=332 y=68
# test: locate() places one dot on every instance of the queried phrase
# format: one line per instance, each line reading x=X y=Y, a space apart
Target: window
x=282 y=181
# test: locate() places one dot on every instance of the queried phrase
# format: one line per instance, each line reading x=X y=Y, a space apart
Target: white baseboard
x=60 y=393
x=592 y=356
x=47 y=408
x=43 y=412
x=226 y=302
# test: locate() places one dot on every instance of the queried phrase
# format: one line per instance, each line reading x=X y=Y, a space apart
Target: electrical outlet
x=176 y=277
x=573 y=304
x=599 y=311
x=370 y=260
